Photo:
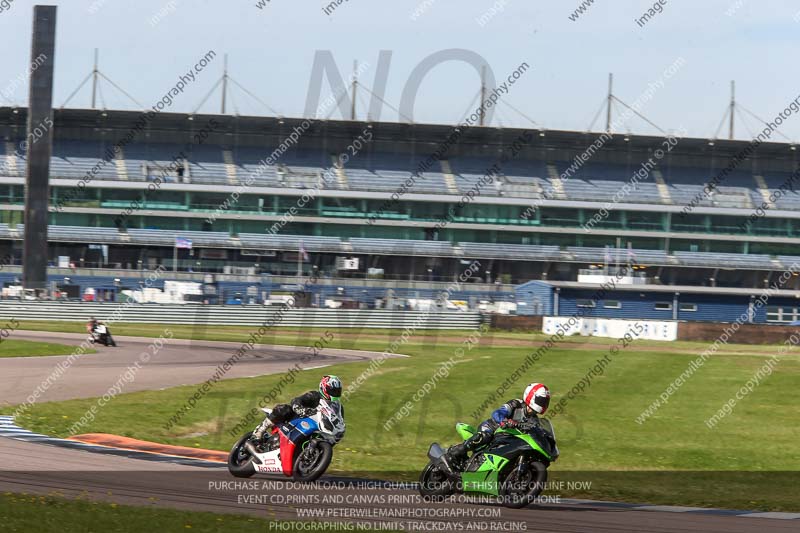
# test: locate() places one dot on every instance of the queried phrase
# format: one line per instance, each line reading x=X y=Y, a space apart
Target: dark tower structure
x=40 y=140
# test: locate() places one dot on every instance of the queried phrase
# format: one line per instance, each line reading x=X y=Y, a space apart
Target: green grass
x=17 y=348
x=355 y=338
x=45 y=514
x=346 y=338
x=673 y=458
x=24 y=512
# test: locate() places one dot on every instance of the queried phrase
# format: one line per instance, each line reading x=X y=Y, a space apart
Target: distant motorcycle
x=301 y=449
x=100 y=334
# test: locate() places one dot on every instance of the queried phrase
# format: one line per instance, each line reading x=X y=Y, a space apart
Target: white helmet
x=537 y=397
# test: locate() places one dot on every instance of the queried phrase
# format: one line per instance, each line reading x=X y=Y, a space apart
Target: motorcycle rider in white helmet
x=536 y=400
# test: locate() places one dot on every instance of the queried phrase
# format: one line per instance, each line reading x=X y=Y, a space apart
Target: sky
x=146 y=45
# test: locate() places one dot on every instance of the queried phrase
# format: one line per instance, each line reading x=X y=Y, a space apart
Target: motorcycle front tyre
x=237 y=468
x=434 y=484
x=320 y=466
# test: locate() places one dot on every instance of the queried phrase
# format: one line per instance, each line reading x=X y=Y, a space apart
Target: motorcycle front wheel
x=521 y=487
x=433 y=483
x=312 y=462
x=240 y=462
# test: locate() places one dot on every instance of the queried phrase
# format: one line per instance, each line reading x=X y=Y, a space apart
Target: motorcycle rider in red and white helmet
x=535 y=401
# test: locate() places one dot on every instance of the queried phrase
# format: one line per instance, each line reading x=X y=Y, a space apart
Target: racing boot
x=455 y=455
x=262 y=429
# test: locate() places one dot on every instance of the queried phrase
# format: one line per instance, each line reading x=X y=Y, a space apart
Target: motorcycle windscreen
x=508 y=446
x=547 y=425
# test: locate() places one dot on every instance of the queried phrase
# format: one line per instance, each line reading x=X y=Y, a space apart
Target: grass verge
x=45 y=514
x=355 y=338
x=18 y=348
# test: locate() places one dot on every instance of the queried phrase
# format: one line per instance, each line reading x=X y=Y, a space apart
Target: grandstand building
x=275 y=195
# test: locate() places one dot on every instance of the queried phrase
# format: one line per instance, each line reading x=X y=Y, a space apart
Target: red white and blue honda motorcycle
x=301 y=449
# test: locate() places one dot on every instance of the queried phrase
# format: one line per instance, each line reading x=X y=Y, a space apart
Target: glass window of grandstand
x=387 y=209
x=645 y=220
x=13 y=194
x=770 y=226
x=769 y=248
x=465 y=235
x=161 y=199
x=593 y=241
x=726 y=224
x=732 y=246
x=584 y=303
x=488 y=214
x=612 y=304
x=292 y=228
x=169 y=223
x=515 y=237
x=68 y=219
x=553 y=216
x=782 y=314
x=663 y=306
x=346 y=231
x=342 y=207
x=689 y=308
x=423 y=210
x=74 y=197
x=306 y=208
x=689 y=223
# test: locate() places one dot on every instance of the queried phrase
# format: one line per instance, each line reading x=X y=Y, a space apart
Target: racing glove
x=303 y=411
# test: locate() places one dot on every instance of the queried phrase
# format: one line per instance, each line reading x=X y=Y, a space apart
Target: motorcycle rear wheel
x=532 y=485
x=312 y=462
x=433 y=483
x=240 y=463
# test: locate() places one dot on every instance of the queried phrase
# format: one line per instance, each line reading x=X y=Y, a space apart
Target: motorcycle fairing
x=299 y=429
x=513 y=447
x=484 y=478
x=270 y=463
x=465 y=430
x=287 y=455
x=292 y=434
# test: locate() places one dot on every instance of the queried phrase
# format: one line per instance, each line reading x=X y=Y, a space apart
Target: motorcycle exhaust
x=436 y=455
x=435 y=452
x=253 y=452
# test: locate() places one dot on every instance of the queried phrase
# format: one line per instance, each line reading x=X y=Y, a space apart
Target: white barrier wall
x=196 y=314
x=615 y=328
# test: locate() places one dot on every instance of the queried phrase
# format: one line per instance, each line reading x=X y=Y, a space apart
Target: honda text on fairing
x=301 y=448
x=512 y=466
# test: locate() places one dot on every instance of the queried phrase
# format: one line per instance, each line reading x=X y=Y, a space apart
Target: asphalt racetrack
x=44 y=469
x=177 y=362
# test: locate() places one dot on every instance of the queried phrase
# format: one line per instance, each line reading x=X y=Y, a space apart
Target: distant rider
x=536 y=400
x=91 y=324
x=330 y=388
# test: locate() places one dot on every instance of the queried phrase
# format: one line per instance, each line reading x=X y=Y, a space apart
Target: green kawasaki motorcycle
x=512 y=466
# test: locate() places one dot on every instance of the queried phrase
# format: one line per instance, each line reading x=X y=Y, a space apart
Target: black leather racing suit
x=487 y=428
x=299 y=406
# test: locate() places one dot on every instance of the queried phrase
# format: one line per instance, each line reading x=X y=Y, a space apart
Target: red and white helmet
x=537 y=397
